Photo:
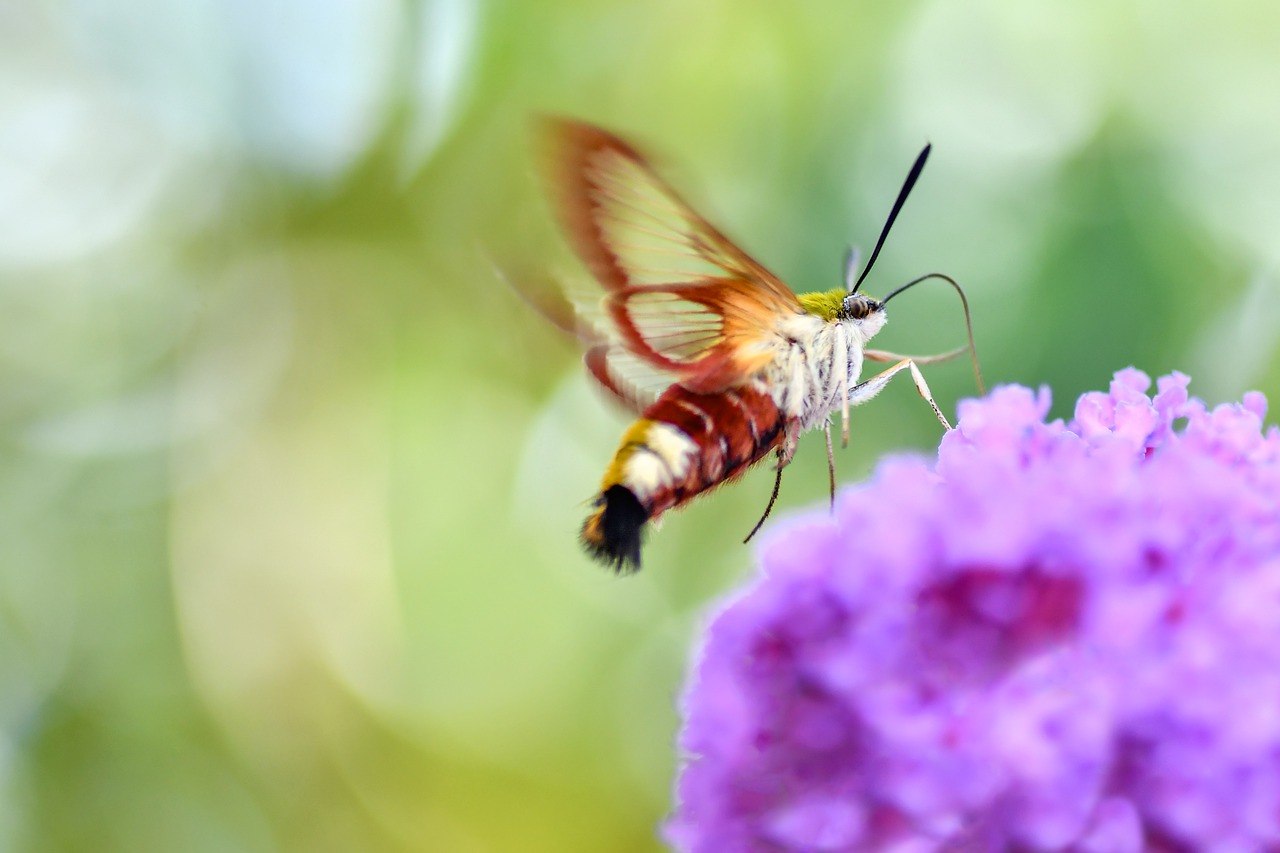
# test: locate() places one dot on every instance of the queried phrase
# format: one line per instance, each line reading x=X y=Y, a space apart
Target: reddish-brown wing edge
x=570 y=146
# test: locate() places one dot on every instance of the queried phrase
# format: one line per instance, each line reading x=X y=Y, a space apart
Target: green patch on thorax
x=826 y=304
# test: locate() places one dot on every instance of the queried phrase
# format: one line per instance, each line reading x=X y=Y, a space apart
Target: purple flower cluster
x=1062 y=636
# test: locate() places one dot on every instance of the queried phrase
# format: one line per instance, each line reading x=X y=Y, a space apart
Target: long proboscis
x=968 y=323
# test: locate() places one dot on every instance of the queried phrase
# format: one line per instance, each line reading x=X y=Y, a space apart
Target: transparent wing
x=632 y=382
x=680 y=295
x=628 y=380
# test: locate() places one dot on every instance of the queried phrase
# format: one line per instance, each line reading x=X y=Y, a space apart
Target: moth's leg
x=884 y=355
x=840 y=376
x=873 y=386
x=773 y=498
x=844 y=411
x=786 y=452
x=831 y=463
x=790 y=440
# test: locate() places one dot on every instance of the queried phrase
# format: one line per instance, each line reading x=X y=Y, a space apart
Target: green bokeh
x=290 y=480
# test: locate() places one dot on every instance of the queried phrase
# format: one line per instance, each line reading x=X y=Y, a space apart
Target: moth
x=720 y=361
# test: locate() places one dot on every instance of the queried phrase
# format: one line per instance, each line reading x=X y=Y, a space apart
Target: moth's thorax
x=809 y=375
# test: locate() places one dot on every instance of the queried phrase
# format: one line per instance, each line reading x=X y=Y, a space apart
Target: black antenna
x=910 y=182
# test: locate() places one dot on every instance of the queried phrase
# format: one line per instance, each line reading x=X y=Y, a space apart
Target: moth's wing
x=631 y=382
x=629 y=226
x=680 y=295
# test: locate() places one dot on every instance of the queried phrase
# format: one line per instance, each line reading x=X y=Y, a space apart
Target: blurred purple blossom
x=1062 y=636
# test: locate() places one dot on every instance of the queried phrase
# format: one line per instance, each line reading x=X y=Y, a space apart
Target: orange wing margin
x=681 y=295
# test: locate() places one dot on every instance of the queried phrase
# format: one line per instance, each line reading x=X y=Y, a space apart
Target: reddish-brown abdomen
x=683 y=444
x=732 y=431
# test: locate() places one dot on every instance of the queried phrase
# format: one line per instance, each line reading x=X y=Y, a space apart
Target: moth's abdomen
x=611 y=534
x=684 y=444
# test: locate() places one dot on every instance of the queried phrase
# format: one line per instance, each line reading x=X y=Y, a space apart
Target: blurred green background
x=291 y=482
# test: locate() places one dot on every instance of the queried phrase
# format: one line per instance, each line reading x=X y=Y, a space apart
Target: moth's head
x=863 y=312
x=858 y=306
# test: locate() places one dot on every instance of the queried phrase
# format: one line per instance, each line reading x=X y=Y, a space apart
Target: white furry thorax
x=808 y=375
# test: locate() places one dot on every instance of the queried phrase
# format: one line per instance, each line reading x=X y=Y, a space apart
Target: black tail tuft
x=611 y=534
